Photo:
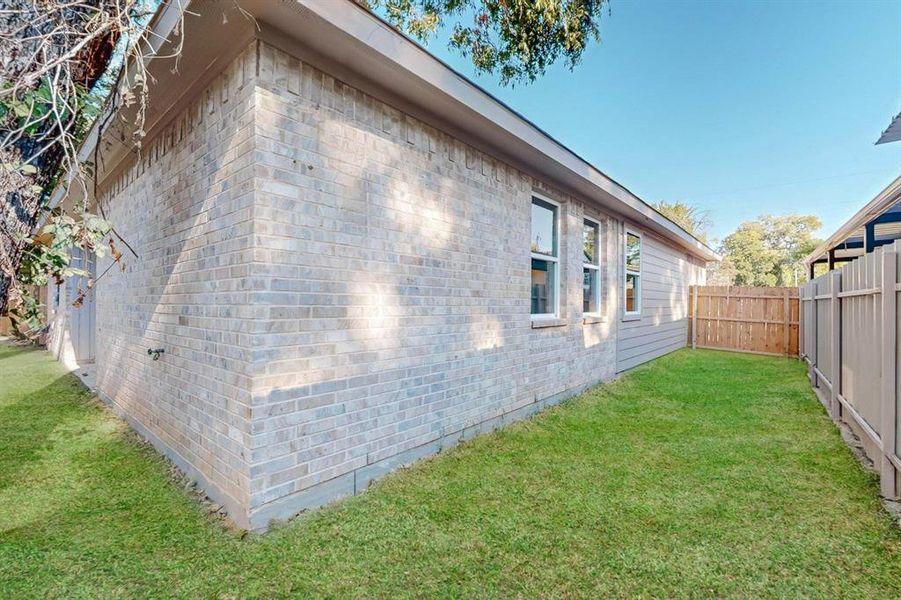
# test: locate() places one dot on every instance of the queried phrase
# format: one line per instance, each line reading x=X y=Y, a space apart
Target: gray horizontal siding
x=666 y=276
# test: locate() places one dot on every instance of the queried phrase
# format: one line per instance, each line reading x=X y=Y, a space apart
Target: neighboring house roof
x=892 y=132
x=364 y=51
x=848 y=240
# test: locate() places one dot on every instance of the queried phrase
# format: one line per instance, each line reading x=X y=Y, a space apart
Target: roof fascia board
x=558 y=165
x=297 y=49
x=383 y=41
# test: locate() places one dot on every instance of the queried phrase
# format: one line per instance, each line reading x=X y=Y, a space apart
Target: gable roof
x=345 y=39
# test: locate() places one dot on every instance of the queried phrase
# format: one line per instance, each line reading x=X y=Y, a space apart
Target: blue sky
x=741 y=108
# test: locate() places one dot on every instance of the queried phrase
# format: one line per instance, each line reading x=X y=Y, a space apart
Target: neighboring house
x=335 y=233
x=876 y=224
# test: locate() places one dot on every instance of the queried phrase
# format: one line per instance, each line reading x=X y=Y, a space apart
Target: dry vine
x=63 y=65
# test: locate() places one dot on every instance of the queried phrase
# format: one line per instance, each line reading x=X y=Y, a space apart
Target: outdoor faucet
x=155 y=352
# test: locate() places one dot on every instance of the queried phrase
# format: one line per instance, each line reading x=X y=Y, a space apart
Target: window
x=591 y=267
x=545 y=257
x=633 y=273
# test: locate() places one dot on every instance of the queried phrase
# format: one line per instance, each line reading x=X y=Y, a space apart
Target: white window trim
x=633 y=314
x=596 y=267
x=553 y=259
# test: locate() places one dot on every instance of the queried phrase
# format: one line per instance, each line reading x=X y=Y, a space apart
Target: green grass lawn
x=703 y=474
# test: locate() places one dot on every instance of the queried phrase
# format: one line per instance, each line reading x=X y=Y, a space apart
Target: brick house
x=353 y=258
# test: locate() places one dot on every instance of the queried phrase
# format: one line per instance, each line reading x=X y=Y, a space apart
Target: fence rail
x=849 y=332
x=760 y=320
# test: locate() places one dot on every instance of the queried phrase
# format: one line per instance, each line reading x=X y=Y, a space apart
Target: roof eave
x=383 y=41
x=161 y=26
x=882 y=202
x=355 y=38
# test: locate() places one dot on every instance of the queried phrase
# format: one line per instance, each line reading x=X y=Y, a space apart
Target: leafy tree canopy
x=771 y=249
x=690 y=218
x=62 y=60
x=768 y=251
x=516 y=39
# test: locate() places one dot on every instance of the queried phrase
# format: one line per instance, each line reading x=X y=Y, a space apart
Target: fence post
x=835 y=306
x=889 y=349
x=786 y=319
x=812 y=352
x=694 y=319
x=802 y=310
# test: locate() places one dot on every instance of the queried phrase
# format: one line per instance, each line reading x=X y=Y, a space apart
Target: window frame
x=596 y=266
x=632 y=314
x=558 y=213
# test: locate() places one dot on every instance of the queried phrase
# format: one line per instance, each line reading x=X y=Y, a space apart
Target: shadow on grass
x=11 y=348
x=698 y=472
x=28 y=424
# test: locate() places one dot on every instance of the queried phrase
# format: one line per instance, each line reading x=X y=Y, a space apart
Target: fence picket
x=835 y=311
x=747 y=319
x=786 y=325
x=849 y=324
x=889 y=329
x=811 y=371
x=694 y=318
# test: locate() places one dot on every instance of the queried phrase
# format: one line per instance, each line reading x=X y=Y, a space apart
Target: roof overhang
x=160 y=34
x=365 y=52
x=892 y=132
x=882 y=203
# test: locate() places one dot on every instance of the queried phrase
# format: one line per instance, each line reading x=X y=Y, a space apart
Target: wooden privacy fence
x=760 y=320
x=849 y=331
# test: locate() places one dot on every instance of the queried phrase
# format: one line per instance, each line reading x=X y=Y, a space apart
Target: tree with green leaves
x=770 y=250
x=515 y=39
x=62 y=61
x=692 y=219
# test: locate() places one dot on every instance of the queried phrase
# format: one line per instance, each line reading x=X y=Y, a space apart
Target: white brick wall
x=396 y=268
x=186 y=206
x=340 y=289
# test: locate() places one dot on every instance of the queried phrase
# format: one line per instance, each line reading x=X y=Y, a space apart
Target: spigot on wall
x=155 y=352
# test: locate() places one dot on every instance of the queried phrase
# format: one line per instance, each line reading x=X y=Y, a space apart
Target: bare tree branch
x=63 y=63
